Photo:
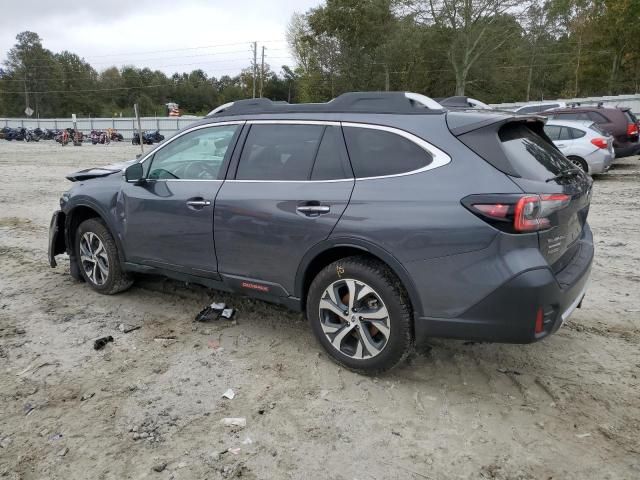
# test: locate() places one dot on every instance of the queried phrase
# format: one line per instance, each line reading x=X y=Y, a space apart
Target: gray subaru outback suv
x=383 y=216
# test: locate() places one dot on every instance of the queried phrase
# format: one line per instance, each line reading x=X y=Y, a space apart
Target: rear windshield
x=630 y=116
x=597 y=129
x=530 y=155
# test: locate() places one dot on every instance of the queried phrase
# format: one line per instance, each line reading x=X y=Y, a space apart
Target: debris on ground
x=166 y=340
x=513 y=372
x=28 y=408
x=159 y=467
x=234 y=422
x=583 y=435
x=228 y=313
x=214 y=344
x=235 y=450
x=55 y=436
x=33 y=368
x=229 y=394
x=101 y=342
x=126 y=328
x=63 y=452
x=87 y=396
x=211 y=313
x=5 y=442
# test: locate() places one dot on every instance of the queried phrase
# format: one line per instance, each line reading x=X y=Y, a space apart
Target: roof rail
x=352 y=102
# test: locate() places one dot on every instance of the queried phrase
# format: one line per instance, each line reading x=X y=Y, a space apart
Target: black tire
x=389 y=289
x=579 y=162
x=116 y=280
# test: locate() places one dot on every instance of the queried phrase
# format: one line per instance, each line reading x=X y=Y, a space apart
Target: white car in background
x=539 y=107
x=583 y=142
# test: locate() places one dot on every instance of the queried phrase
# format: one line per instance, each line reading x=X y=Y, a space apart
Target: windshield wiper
x=564 y=174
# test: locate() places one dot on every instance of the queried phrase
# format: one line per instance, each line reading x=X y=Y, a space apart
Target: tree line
x=493 y=50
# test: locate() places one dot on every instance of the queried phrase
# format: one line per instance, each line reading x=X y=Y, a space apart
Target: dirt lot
x=565 y=408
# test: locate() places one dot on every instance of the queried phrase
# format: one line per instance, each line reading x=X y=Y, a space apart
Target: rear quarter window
x=377 y=153
x=530 y=155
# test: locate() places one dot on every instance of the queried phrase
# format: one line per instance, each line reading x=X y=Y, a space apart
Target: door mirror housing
x=134 y=174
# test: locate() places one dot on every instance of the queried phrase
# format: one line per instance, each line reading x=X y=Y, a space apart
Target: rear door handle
x=200 y=203
x=313 y=210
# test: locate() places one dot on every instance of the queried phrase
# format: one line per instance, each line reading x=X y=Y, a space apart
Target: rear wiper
x=564 y=174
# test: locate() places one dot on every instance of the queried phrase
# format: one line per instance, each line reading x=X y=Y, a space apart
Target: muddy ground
x=565 y=408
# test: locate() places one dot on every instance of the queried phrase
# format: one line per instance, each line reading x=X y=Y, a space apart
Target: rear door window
x=571 y=116
x=597 y=117
x=331 y=162
x=552 y=131
x=377 y=153
x=565 y=134
x=530 y=155
x=279 y=152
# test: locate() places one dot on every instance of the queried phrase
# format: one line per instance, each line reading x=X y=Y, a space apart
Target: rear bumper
x=508 y=314
x=600 y=161
x=628 y=150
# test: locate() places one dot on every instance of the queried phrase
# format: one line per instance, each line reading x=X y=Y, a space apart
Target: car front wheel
x=97 y=257
x=360 y=313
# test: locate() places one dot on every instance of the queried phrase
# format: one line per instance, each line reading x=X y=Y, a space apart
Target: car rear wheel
x=360 y=313
x=579 y=162
x=97 y=257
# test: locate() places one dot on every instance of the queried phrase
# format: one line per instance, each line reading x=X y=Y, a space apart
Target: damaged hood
x=99 y=171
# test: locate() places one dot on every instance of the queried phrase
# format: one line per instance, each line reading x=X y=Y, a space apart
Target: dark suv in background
x=618 y=122
x=383 y=216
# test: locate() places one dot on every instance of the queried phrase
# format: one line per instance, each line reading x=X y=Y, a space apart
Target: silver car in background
x=583 y=142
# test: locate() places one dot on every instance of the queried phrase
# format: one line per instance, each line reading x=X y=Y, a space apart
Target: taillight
x=517 y=213
x=632 y=130
x=600 y=142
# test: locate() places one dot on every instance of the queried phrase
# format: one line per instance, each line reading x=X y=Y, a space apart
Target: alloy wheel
x=354 y=319
x=94 y=258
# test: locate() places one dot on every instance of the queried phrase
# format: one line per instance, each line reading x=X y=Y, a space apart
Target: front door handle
x=313 y=210
x=200 y=203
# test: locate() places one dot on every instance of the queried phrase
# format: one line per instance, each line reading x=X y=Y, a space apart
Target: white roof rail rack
x=423 y=100
x=219 y=109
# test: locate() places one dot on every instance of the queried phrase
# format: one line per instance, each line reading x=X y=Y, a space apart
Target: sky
x=167 y=35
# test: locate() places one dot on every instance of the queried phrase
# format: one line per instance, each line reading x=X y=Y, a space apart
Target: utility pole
x=386 y=77
x=255 y=66
x=262 y=72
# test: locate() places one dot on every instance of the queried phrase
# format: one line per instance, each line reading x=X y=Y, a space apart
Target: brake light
x=632 y=129
x=517 y=213
x=539 y=327
x=600 y=142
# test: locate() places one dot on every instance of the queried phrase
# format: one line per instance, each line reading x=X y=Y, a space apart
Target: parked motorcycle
x=149 y=137
x=100 y=137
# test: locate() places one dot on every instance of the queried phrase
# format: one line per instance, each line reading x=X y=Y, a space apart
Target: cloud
x=160 y=34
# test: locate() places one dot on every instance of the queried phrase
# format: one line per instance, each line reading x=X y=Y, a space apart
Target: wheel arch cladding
x=79 y=214
x=322 y=255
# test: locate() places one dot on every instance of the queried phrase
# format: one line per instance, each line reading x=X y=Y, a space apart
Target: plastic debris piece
x=87 y=396
x=583 y=435
x=126 y=328
x=218 y=306
x=228 y=313
x=229 y=394
x=234 y=422
x=55 y=436
x=63 y=452
x=235 y=450
x=101 y=342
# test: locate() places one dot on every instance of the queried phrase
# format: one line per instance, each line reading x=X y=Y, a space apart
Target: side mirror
x=134 y=174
